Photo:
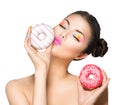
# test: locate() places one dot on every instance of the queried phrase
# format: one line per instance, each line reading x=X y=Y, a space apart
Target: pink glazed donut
x=42 y=36
x=91 y=76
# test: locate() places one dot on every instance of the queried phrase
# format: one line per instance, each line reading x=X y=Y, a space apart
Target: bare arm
x=39 y=96
x=41 y=62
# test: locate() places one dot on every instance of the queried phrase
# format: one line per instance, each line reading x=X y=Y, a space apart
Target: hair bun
x=100 y=49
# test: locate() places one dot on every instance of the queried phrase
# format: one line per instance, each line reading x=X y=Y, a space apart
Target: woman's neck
x=57 y=70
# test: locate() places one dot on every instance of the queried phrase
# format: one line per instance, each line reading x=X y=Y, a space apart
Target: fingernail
x=29 y=31
x=29 y=28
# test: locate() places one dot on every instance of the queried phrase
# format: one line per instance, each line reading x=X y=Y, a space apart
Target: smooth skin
x=52 y=84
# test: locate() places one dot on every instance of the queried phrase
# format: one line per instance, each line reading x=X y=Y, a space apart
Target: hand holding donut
x=42 y=36
x=91 y=76
x=39 y=59
x=88 y=94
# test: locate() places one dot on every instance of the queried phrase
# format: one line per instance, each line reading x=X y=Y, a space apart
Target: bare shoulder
x=18 y=88
x=20 y=83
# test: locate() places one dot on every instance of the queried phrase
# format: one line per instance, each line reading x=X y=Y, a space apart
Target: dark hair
x=97 y=47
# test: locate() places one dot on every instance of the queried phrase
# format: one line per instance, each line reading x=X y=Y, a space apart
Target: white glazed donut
x=42 y=36
x=91 y=76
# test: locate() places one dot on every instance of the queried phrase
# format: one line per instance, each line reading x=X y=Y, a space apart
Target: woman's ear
x=82 y=56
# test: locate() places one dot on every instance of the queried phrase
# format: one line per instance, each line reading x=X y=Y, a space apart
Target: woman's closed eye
x=79 y=37
x=64 y=24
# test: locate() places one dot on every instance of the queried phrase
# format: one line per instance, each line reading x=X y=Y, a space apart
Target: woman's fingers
x=104 y=85
x=102 y=88
x=27 y=38
x=29 y=31
x=27 y=42
x=104 y=76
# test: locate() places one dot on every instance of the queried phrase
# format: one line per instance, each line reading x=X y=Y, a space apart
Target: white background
x=17 y=15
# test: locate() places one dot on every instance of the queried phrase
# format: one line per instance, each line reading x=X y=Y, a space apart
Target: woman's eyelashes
x=62 y=26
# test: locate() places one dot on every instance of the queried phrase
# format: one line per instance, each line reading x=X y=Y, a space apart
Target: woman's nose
x=63 y=34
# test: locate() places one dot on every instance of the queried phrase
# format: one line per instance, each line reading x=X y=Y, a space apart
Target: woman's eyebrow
x=80 y=32
x=67 y=21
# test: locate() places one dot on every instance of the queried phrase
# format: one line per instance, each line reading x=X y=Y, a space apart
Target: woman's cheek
x=73 y=47
x=57 y=30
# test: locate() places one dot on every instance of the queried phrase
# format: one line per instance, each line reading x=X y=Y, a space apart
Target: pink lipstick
x=57 y=40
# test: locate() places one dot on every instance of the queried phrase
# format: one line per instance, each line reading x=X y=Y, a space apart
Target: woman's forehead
x=78 y=22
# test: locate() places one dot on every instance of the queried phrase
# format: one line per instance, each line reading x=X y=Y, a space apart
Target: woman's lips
x=57 y=40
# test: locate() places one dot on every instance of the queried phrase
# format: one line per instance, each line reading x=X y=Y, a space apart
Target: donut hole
x=91 y=76
x=41 y=36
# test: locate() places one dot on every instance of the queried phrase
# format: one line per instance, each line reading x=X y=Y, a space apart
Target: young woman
x=52 y=84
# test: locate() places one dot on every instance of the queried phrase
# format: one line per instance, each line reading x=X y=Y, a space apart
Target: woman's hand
x=39 y=59
x=89 y=97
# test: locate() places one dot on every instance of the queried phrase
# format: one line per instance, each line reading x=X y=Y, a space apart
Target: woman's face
x=71 y=37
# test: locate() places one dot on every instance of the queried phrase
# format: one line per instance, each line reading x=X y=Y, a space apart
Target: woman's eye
x=64 y=27
x=78 y=37
x=63 y=24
